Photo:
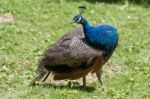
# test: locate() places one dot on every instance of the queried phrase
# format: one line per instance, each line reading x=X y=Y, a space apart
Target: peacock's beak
x=72 y=21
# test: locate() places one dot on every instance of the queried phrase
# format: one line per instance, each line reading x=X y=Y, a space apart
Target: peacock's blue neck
x=85 y=25
x=86 y=29
x=87 y=32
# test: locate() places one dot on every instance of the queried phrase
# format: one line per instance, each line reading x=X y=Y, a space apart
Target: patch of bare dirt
x=6 y=18
x=109 y=71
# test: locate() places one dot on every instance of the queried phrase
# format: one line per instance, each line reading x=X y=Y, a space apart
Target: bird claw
x=104 y=88
x=72 y=83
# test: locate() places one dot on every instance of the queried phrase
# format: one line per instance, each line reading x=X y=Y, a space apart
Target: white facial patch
x=79 y=19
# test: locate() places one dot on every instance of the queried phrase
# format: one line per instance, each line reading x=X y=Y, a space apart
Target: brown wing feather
x=71 y=51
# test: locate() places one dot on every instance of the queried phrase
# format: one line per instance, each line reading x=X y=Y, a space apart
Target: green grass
x=39 y=23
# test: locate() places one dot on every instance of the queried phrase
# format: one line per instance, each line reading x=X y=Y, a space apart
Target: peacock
x=79 y=52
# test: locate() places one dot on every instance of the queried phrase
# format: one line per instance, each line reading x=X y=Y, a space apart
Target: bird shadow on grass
x=80 y=88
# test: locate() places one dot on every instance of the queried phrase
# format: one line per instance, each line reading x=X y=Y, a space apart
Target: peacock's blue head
x=77 y=19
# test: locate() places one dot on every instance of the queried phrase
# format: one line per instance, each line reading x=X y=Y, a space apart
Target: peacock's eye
x=79 y=19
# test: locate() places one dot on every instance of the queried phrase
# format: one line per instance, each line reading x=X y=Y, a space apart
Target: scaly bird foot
x=73 y=83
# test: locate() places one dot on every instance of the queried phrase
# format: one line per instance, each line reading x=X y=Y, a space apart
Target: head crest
x=82 y=8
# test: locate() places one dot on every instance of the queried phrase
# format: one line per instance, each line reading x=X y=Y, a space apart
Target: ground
x=36 y=24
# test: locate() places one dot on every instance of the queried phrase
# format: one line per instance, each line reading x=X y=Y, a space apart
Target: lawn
x=38 y=23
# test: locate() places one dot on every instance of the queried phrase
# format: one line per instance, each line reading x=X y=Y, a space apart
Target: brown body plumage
x=70 y=58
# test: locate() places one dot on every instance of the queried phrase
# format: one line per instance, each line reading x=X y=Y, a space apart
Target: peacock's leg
x=99 y=76
x=84 y=81
x=39 y=76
